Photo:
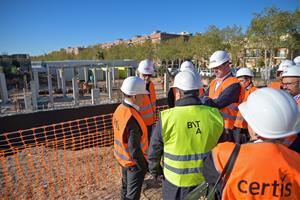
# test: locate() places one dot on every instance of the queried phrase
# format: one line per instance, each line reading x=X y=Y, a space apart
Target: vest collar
x=128 y=103
x=220 y=80
x=187 y=101
x=249 y=86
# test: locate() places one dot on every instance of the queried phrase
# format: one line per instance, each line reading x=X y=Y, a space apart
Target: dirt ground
x=45 y=173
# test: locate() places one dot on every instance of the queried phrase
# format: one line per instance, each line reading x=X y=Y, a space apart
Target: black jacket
x=228 y=96
x=295 y=146
x=132 y=135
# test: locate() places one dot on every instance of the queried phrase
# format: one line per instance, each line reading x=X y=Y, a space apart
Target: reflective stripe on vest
x=200 y=156
x=229 y=113
x=289 y=140
x=148 y=108
x=118 y=143
x=261 y=171
x=120 y=120
x=183 y=170
x=240 y=122
x=189 y=133
x=123 y=157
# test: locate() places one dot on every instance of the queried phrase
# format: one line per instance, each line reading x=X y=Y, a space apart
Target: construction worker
x=291 y=81
x=291 y=84
x=131 y=137
x=148 y=108
x=297 y=60
x=183 y=136
x=224 y=92
x=245 y=76
x=185 y=66
x=283 y=65
x=188 y=65
x=263 y=169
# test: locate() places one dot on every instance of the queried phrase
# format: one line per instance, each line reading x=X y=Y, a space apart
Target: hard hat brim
x=146 y=72
x=134 y=93
x=217 y=64
x=290 y=75
x=213 y=65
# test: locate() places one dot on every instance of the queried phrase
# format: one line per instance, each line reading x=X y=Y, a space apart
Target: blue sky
x=40 y=26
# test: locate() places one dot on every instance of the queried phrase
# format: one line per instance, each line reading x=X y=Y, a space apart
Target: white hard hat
x=285 y=64
x=291 y=71
x=134 y=85
x=271 y=113
x=297 y=60
x=146 y=67
x=244 y=72
x=187 y=65
x=187 y=80
x=218 y=58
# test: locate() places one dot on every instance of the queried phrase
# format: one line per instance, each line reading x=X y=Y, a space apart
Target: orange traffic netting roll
x=69 y=160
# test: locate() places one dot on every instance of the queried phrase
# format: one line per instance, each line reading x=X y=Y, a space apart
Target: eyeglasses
x=149 y=75
x=288 y=84
x=243 y=80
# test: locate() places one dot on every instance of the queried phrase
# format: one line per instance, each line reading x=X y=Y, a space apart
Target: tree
x=100 y=54
x=273 y=29
x=211 y=41
x=233 y=38
x=293 y=38
x=144 y=51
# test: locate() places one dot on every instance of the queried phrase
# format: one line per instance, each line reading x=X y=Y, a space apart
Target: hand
x=158 y=178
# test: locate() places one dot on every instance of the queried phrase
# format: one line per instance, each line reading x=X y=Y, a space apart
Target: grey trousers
x=173 y=192
x=132 y=181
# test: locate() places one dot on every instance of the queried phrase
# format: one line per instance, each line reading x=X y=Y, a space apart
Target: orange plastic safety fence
x=57 y=161
x=69 y=160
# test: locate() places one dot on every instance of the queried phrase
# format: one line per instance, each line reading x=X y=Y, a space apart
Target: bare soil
x=45 y=173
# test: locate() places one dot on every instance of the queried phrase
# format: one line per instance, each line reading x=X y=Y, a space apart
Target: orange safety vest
x=120 y=120
x=275 y=85
x=261 y=171
x=148 y=107
x=229 y=113
x=240 y=121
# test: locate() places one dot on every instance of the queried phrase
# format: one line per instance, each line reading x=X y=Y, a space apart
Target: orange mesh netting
x=68 y=160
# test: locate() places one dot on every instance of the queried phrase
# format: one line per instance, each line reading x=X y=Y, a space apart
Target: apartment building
x=73 y=50
x=155 y=37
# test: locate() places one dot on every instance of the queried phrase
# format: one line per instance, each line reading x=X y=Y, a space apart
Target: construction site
x=105 y=100
x=59 y=145
x=56 y=139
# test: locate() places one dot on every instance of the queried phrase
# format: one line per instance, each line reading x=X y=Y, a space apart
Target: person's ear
x=177 y=94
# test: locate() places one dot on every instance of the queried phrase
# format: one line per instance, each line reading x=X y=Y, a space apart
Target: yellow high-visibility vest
x=189 y=133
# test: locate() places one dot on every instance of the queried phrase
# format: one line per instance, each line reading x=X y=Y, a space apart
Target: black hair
x=188 y=93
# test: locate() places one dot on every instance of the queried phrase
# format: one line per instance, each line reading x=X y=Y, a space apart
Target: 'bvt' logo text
x=194 y=124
